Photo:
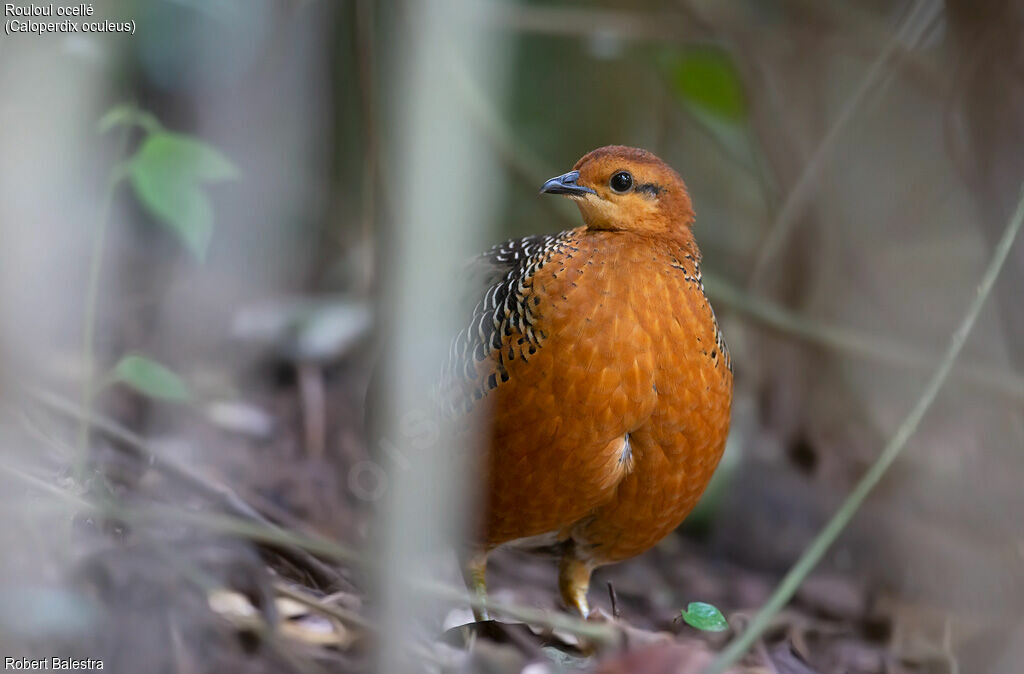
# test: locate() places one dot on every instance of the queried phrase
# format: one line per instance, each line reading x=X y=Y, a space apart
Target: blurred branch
x=322 y=606
x=263 y=532
x=911 y=31
x=603 y=634
x=117 y=173
x=366 y=71
x=524 y=164
x=43 y=485
x=856 y=344
x=871 y=30
x=220 y=494
x=597 y=632
x=824 y=540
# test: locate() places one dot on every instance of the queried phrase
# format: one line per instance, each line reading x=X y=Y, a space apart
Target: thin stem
x=91 y=301
x=854 y=344
x=555 y=620
x=821 y=543
x=795 y=201
x=366 y=70
x=316 y=603
x=148 y=122
x=259 y=532
x=187 y=476
x=45 y=486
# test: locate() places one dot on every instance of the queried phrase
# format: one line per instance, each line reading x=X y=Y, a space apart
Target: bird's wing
x=498 y=281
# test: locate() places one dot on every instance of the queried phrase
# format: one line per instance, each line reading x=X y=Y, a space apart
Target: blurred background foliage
x=851 y=163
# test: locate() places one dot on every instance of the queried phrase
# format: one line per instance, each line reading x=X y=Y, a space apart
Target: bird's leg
x=573 y=583
x=474 y=571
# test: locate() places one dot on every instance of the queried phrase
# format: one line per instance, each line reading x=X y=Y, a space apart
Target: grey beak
x=566 y=184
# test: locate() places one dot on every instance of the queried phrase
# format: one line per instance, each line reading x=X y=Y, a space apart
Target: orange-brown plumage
x=600 y=361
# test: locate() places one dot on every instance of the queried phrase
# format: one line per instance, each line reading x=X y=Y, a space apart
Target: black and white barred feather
x=503 y=325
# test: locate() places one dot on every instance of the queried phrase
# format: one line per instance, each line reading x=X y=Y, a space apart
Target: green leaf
x=704 y=617
x=168 y=173
x=124 y=114
x=188 y=155
x=119 y=115
x=150 y=378
x=706 y=78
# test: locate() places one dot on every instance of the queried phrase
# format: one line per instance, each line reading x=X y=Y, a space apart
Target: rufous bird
x=605 y=374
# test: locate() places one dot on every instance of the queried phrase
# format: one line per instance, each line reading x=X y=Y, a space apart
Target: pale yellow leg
x=474 y=571
x=573 y=583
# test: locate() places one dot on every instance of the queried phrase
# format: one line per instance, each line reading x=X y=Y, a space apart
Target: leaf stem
x=117 y=174
x=828 y=535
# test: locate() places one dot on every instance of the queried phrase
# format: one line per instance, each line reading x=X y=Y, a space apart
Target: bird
x=601 y=372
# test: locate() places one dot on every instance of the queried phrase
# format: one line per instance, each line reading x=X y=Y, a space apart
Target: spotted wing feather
x=501 y=325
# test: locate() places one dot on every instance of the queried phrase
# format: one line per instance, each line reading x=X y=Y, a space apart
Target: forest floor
x=178 y=598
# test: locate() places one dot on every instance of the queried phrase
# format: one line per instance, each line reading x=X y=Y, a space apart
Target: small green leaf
x=704 y=617
x=124 y=114
x=119 y=115
x=706 y=78
x=168 y=173
x=150 y=378
x=188 y=155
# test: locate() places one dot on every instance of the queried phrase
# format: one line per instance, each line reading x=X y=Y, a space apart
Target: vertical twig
x=314 y=409
x=615 y=600
x=793 y=205
x=441 y=216
x=947 y=646
x=117 y=173
x=366 y=74
x=821 y=543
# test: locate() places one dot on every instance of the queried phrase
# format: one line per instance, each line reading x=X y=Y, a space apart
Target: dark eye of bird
x=621 y=182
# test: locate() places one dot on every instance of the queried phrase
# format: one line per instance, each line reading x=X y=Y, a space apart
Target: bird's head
x=626 y=189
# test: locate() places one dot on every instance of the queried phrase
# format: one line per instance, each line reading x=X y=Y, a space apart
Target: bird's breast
x=626 y=318
x=621 y=325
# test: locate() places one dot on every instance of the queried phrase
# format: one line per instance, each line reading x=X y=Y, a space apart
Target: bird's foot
x=573 y=583
x=474 y=570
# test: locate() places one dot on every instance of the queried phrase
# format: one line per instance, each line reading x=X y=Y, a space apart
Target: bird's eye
x=621 y=182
